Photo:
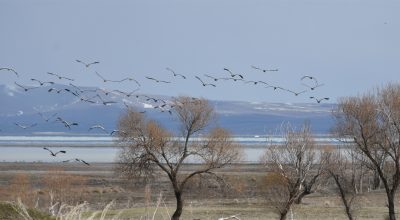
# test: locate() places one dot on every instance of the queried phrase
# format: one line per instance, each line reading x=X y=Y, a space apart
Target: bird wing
x=98 y=74
x=51 y=152
x=10 y=69
x=63 y=77
x=199 y=79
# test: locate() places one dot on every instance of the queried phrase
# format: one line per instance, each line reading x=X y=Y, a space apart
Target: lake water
x=103 y=148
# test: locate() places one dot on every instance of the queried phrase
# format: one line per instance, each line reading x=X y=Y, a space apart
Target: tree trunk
x=283 y=214
x=377 y=181
x=343 y=196
x=301 y=196
x=179 y=206
x=392 y=215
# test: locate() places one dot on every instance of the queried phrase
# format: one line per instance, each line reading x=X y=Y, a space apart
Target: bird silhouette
x=148 y=98
x=104 y=101
x=156 y=80
x=10 y=70
x=79 y=90
x=25 y=88
x=232 y=74
x=256 y=82
x=211 y=77
x=275 y=87
x=75 y=93
x=42 y=83
x=97 y=126
x=88 y=100
x=47 y=119
x=309 y=77
x=265 y=70
x=54 y=154
x=66 y=123
x=80 y=160
x=319 y=99
x=117 y=81
x=312 y=87
x=76 y=160
x=87 y=64
x=231 y=78
x=314 y=80
x=205 y=84
x=175 y=74
x=117 y=131
x=60 y=77
x=25 y=126
x=296 y=93
x=127 y=94
x=56 y=90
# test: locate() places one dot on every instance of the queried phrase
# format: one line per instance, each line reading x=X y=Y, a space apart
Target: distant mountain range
x=242 y=118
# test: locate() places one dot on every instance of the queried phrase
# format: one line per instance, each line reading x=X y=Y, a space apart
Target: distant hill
x=242 y=118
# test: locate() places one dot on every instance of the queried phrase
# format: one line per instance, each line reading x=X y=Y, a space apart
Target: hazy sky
x=350 y=46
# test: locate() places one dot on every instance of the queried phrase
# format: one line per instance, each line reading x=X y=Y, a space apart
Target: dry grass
x=245 y=198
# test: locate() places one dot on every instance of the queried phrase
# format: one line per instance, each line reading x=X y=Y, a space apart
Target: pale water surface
x=103 y=148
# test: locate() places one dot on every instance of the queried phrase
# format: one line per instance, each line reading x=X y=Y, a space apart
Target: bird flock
x=101 y=96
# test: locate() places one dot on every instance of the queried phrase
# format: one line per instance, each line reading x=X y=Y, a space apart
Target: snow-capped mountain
x=88 y=106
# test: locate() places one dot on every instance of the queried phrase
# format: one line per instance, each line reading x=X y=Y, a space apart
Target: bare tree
x=296 y=164
x=372 y=123
x=341 y=170
x=148 y=146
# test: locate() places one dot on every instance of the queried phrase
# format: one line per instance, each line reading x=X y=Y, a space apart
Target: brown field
x=242 y=194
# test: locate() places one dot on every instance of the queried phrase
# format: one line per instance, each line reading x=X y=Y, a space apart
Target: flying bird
x=312 y=87
x=117 y=131
x=54 y=154
x=56 y=90
x=59 y=76
x=256 y=82
x=80 y=90
x=103 y=101
x=296 y=93
x=80 y=160
x=314 y=80
x=319 y=99
x=42 y=82
x=75 y=93
x=98 y=127
x=157 y=80
x=205 y=84
x=47 y=119
x=175 y=74
x=77 y=160
x=276 y=87
x=25 y=126
x=66 y=123
x=10 y=70
x=233 y=79
x=116 y=81
x=87 y=64
x=148 y=98
x=265 y=70
x=308 y=77
x=127 y=94
x=232 y=74
x=25 y=88
x=211 y=77
x=89 y=100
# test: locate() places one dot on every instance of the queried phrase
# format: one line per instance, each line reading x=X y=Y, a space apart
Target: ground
x=241 y=195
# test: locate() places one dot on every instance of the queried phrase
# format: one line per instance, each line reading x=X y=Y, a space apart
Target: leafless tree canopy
x=372 y=123
x=149 y=147
x=297 y=165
